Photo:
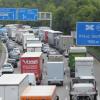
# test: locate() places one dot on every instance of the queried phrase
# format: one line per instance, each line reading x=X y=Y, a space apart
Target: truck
x=32 y=40
x=39 y=93
x=83 y=88
x=84 y=66
x=64 y=42
x=11 y=28
x=75 y=52
x=31 y=62
x=55 y=62
x=20 y=32
x=45 y=35
x=34 y=47
x=41 y=31
x=52 y=37
x=24 y=39
x=12 y=85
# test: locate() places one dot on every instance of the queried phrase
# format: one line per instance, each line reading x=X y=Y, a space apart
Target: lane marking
x=6 y=53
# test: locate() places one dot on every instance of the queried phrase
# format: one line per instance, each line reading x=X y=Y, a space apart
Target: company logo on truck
x=30 y=62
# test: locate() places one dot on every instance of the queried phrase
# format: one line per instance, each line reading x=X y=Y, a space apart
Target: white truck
x=12 y=85
x=40 y=31
x=34 y=47
x=84 y=66
x=64 y=42
x=24 y=39
x=20 y=32
x=83 y=86
x=55 y=62
x=52 y=37
x=11 y=30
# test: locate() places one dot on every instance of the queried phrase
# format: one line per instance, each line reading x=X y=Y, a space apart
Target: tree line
x=65 y=12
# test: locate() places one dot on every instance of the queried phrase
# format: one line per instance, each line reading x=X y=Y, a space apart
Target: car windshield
x=7 y=66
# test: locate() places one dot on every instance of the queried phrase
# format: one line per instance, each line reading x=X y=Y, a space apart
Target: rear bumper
x=84 y=94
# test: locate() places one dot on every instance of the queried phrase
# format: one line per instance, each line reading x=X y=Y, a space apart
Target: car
x=66 y=54
x=3 y=37
x=10 y=45
x=13 y=62
x=7 y=68
x=51 y=52
x=14 y=55
x=17 y=50
x=45 y=48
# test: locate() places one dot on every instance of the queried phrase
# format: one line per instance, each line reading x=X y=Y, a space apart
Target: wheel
x=95 y=97
x=70 y=97
x=61 y=83
x=49 y=82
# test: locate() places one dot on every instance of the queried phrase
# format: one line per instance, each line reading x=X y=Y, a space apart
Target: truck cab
x=83 y=88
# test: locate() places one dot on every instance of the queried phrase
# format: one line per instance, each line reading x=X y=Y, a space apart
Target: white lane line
x=6 y=53
x=67 y=88
x=98 y=97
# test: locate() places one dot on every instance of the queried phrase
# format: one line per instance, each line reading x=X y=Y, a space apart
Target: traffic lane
x=97 y=73
x=4 y=55
x=62 y=91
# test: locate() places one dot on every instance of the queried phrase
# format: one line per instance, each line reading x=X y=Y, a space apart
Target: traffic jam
x=38 y=63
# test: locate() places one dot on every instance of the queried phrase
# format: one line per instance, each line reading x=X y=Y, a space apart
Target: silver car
x=7 y=68
x=15 y=53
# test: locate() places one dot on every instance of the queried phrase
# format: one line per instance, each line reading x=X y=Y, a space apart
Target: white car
x=66 y=53
x=17 y=50
x=45 y=48
x=7 y=68
x=15 y=53
x=51 y=52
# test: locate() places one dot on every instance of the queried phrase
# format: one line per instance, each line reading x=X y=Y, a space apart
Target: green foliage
x=65 y=12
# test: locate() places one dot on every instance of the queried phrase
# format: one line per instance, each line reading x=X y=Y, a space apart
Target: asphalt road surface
x=62 y=91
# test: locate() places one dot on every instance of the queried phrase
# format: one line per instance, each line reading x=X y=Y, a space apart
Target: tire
x=95 y=97
x=49 y=83
x=70 y=97
x=61 y=83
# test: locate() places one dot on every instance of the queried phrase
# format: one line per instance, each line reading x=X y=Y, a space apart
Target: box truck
x=31 y=62
x=34 y=47
x=12 y=85
x=83 y=88
x=64 y=42
x=52 y=37
x=84 y=66
x=39 y=93
x=75 y=52
x=24 y=39
x=55 y=62
x=45 y=35
x=20 y=32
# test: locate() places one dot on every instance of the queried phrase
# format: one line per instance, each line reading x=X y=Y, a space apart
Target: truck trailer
x=39 y=93
x=52 y=37
x=12 y=85
x=31 y=62
x=64 y=42
x=34 y=47
x=24 y=39
x=55 y=62
x=84 y=66
x=75 y=52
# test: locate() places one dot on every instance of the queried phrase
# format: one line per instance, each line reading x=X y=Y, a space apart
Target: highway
x=62 y=91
